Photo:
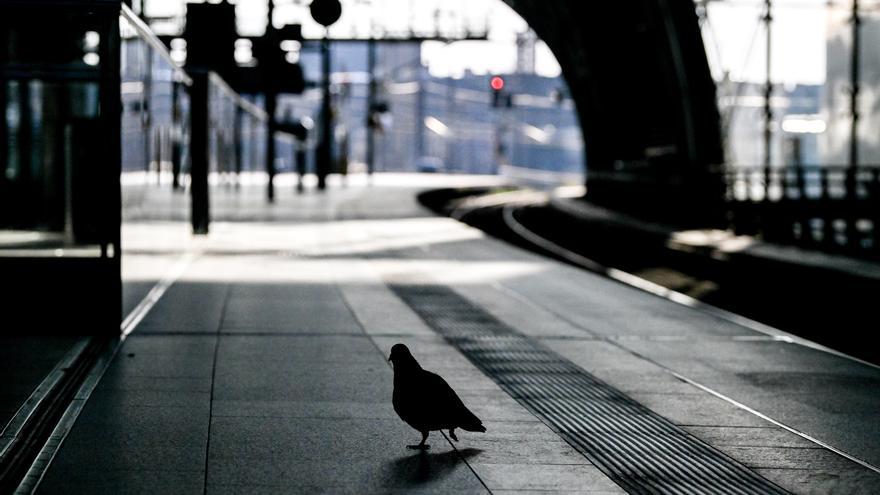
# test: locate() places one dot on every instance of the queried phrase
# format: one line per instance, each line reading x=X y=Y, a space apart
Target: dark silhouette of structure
x=425 y=401
x=639 y=77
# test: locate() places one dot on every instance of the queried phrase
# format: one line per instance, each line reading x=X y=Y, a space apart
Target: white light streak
x=803 y=126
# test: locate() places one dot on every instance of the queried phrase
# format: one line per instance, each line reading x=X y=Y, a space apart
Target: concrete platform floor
x=263 y=368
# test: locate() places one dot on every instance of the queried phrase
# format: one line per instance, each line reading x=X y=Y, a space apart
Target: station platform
x=255 y=361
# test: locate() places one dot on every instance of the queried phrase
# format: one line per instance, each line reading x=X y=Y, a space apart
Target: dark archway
x=639 y=76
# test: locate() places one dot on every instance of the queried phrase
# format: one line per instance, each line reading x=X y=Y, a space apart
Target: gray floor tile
x=171 y=356
x=128 y=438
x=524 y=451
x=109 y=400
x=789 y=458
x=304 y=409
x=113 y=482
x=330 y=316
x=119 y=380
x=690 y=409
x=187 y=308
x=748 y=437
x=331 y=454
x=333 y=349
x=825 y=481
x=291 y=381
x=292 y=293
x=544 y=477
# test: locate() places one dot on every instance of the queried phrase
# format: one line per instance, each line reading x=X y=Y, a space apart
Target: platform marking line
x=40 y=466
x=763 y=416
x=671 y=295
x=14 y=426
x=140 y=311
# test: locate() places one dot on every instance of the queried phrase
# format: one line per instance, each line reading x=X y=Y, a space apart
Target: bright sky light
x=736 y=39
x=735 y=36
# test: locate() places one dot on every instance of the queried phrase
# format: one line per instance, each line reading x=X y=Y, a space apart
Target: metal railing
x=180 y=127
x=831 y=208
x=237 y=130
x=155 y=103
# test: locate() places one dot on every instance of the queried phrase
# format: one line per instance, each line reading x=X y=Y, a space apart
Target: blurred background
x=755 y=118
x=713 y=151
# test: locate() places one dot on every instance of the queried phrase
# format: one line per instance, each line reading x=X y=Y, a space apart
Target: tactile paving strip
x=640 y=450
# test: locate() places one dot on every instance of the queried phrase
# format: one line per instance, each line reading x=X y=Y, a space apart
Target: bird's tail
x=473 y=423
x=475 y=427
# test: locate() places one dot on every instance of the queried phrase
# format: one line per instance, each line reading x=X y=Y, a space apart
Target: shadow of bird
x=423 y=468
x=425 y=401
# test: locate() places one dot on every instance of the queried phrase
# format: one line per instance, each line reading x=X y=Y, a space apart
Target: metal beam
x=854 y=84
x=768 y=89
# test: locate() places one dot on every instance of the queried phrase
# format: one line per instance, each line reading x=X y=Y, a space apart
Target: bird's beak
x=389 y=359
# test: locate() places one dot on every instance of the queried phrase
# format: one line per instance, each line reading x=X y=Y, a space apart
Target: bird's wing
x=442 y=400
x=440 y=391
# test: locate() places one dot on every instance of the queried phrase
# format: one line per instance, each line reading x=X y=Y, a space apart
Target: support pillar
x=269 y=76
x=199 y=151
x=325 y=146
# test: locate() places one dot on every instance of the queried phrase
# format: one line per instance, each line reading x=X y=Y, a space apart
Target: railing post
x=300 y=163
x=732 y=212
x=824 y=206
x=270 y=144
x=237 y=144
x=874 y=199
x=764 y=208
x=800 y=206
x=176 y=137
x=199 y=151
x=850 y=210
x=156 y=132
x=768 y=89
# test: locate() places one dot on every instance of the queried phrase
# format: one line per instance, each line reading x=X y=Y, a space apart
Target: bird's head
x=400 y=355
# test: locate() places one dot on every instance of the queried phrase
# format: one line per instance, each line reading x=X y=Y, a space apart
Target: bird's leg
x=422 y=445
x=452 y=434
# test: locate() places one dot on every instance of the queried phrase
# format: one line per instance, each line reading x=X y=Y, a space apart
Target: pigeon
x=425 y=401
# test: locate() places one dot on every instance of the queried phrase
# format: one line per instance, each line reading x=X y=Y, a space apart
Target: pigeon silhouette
x=425 y=401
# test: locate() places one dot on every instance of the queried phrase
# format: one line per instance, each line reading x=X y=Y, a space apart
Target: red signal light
x=497 y=83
